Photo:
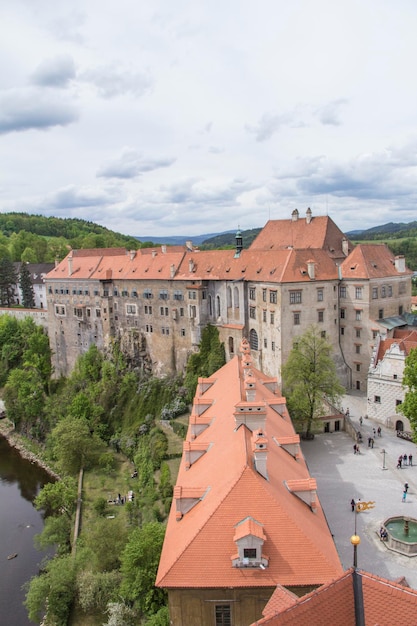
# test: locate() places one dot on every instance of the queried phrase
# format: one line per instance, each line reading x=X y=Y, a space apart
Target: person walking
x=405 y=459
x=410 y=460
x=404 y=496
x=353 y=504
x=354 y=448
x=379 y=431
x=400 y=461
x=360 y=420
x=406 y=487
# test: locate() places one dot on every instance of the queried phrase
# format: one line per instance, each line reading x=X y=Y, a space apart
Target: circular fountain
x=402 y=534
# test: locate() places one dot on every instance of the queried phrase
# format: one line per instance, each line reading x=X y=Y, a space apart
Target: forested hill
x=39 y=239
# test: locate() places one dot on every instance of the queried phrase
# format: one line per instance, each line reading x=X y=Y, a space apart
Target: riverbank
x=23 y=445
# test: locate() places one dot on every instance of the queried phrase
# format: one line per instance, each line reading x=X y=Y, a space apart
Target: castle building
x=297 y=272
x=245 y=515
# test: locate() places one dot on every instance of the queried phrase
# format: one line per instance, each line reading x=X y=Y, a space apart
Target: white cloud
x=230 y=113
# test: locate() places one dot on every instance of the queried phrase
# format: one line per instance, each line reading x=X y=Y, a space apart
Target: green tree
x=52 y=592
x=140 y=560
x=58 y=498
x=74 y=446
x=8 y=281
x=409 y=407
x=210 y=357
x=309 y=378
x=24 y=398
x=25 y=283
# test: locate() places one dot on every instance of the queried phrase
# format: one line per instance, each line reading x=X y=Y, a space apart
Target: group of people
x=403 y=460
x=383 y=534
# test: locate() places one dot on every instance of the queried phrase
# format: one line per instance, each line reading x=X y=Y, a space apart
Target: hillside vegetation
x=125 y=431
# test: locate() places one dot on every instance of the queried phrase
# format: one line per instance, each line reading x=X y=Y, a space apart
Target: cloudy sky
x=187 y=117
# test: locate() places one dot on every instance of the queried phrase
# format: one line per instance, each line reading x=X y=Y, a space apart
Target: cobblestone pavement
x=371 y=475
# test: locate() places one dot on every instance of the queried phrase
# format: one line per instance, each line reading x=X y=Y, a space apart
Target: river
x=20 y=482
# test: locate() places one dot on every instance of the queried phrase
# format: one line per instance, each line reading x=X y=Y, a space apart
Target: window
x=358 y=367
x=182 y=332
x=383 y=291
x=192 y=295
x=295 y=297
x=181 y=311
x=178 y=295
x=149 y=328
x=223 y=615
x=148 y=309
x=390 y=291
x=263 y=295
x=374 y=334
x=59 y=309
x=78 y=312
x=342 y=314
x=358 y=293
x=400 y=309
x=249 y=553
x=323 y=334
x=398 y=402
x=342 y=330
x=342 y=292
x=193 y=311
x=273 y=346
x=358 y=315
x=134 y=293
x=253 y=339
x=252 y=293
x=320 y=316
x=297 y=318
x=115 y=292
x=272 y=318
x=163 y=294
x=377 y=399
x=147 y=294
x=380 y=314
x=165 y=331
x=131 y=309
x=98 y=313
x=125 y=293
x=402 y=288
x=265 y=343
x=264 y=316
x=358 y=348
x=273 y=299
x=320 y=295
x=358 y=332
x=374 y=293
x=395 y=376
x=252 y=312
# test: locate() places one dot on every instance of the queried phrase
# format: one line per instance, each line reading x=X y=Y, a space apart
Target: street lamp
x=355 y=541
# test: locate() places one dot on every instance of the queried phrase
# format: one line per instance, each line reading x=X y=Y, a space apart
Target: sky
x=185 y=117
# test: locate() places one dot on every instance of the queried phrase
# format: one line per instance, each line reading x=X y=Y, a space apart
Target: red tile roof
x=198 y=549
x=385 y=603
x=370 y=261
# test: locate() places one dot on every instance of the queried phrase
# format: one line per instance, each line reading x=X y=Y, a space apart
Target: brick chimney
x=308 y=216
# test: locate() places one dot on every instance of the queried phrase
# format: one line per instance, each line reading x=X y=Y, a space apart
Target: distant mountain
x=385 y=230
x=182 y=239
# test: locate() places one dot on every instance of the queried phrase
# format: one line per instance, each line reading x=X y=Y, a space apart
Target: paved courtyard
x=370 y=476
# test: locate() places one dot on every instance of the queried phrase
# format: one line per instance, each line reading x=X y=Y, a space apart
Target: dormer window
x=249 y=538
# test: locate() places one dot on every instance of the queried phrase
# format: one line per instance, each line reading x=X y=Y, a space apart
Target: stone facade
x=156 y=302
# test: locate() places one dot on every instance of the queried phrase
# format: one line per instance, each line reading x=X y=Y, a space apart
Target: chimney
x=308 y=216
x=154 y=253
x=260 y=451
x=69 y=265
x=294 y=215
x=191 y=265
x=172 y=271
x=345 y=246
x=164 y=249
x=311 y=270
x=400 y=264
x=189 y=245
x=132 y=254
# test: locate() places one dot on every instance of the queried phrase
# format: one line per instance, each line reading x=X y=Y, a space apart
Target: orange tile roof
x=385 y=603
x=198 y=549
x=321 y=233
x=370 y=261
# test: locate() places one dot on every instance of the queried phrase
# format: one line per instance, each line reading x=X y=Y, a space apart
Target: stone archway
x=399 y=425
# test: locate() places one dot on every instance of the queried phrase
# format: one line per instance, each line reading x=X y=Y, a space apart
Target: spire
x=239 y=243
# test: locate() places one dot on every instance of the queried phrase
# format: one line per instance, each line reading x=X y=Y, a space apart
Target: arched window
x=253 y=339
x=399 y=425
x=236 y=297
x=210 y=305
x=231 y=346
x=229 y=297
x=218 y=310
